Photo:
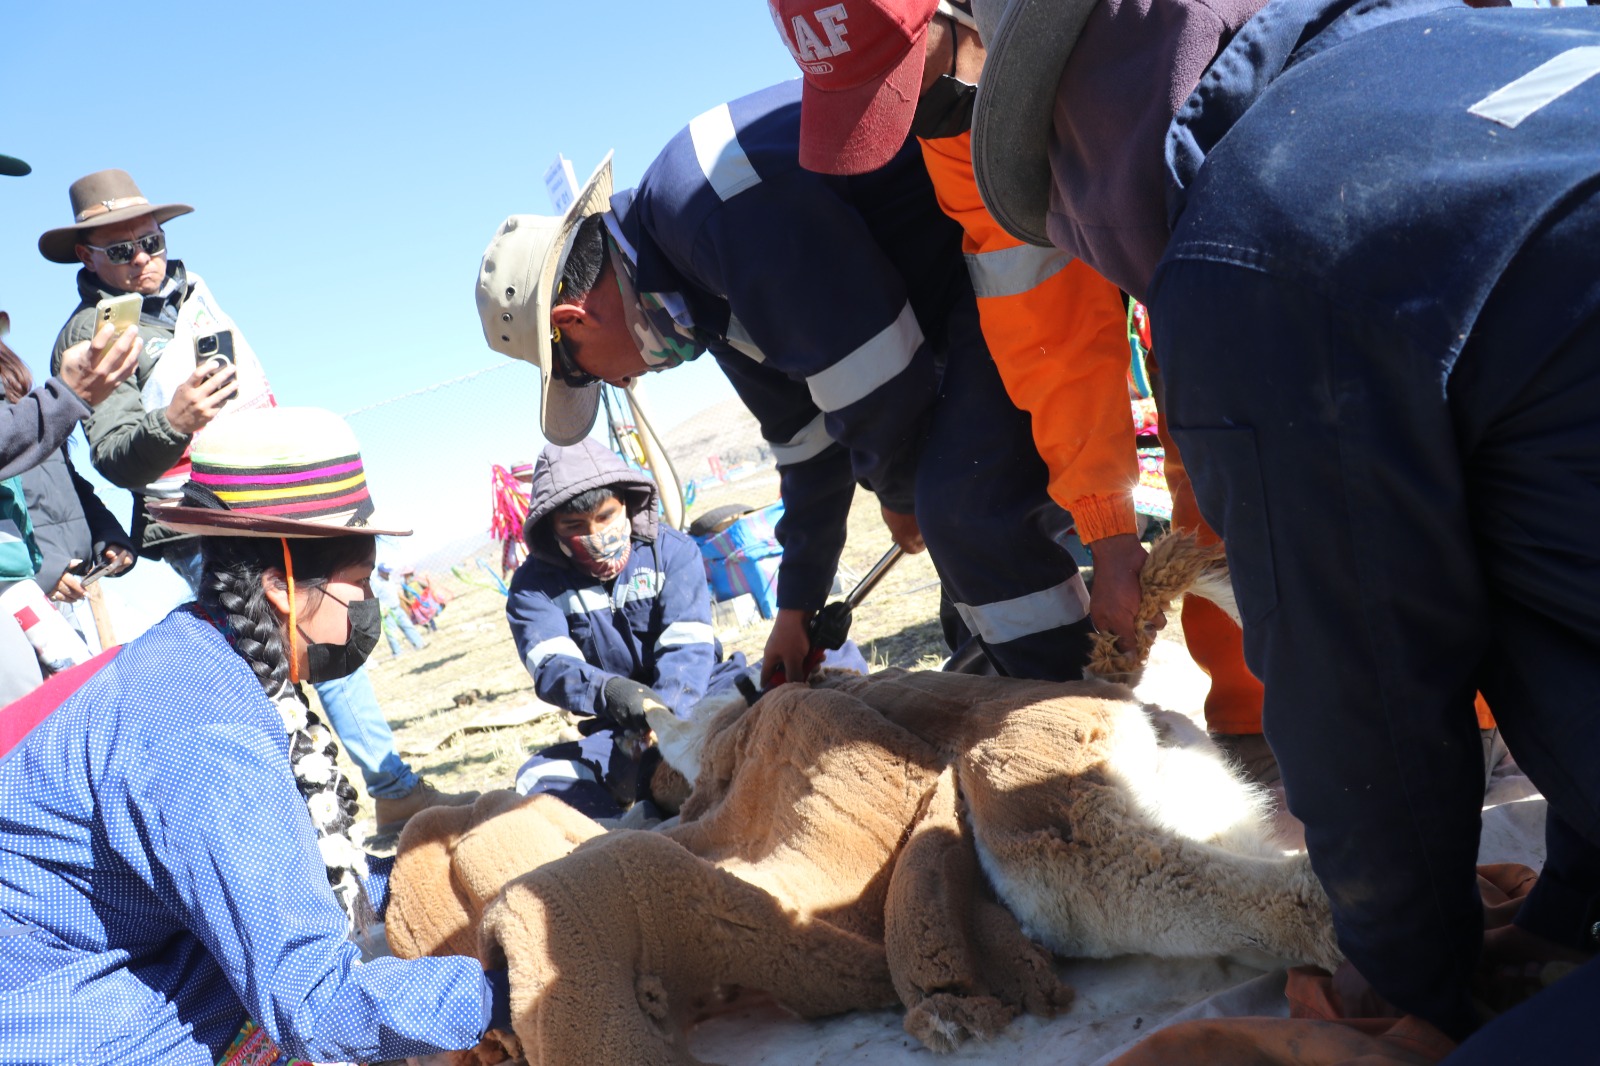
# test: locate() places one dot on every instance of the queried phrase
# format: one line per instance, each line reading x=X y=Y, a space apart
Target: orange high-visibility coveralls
x=1058 y=335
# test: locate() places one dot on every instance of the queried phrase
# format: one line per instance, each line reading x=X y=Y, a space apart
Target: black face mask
x=945 y=110
x=329 y=662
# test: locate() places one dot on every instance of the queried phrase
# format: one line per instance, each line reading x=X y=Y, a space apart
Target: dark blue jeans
x=1401 y=532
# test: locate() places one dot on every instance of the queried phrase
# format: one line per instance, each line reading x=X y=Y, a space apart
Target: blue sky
x=347 y=163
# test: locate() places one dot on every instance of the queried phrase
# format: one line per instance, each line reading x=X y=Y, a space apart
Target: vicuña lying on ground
x=835 y=853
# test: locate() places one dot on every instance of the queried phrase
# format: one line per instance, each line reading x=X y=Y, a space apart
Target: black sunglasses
x=152 y=244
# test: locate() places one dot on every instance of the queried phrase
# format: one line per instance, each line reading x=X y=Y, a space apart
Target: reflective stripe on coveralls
x=853 y=320
x=809 y=443
x=867 y=368
x=1023 y=616
x=546 y=648
x=681 y=633
x=1058 y=335
x=1081 y=423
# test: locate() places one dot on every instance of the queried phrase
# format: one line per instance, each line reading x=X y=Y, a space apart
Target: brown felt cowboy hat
x=103 y=198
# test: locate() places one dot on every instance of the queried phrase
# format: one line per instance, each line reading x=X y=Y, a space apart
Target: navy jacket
x=823 y=299
x=652 y=624
x=1396 y=198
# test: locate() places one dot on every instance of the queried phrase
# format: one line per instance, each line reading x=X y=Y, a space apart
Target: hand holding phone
x=216 y=346
x=95 y=367
x=200 y=399
x=119 y=311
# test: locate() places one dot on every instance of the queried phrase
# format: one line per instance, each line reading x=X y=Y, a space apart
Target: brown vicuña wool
x=611 y=950
x=959 y=960
x=668 y=788
x=1176 y=562
x=830 y=855
x=1055 y=778
x=452 y=861
x=941 y=708
x=808 y=795
x=779 y=879
x=428 y=914
x=776 y=880
x=1093 y=875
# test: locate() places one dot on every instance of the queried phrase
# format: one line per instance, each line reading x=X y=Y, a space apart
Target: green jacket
x=131 y=447
x=19 y=553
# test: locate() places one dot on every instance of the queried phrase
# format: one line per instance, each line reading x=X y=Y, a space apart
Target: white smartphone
x=121 y=311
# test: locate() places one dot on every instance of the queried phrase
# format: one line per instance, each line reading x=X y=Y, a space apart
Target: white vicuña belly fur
x=1160 y=849
x=1180 y=781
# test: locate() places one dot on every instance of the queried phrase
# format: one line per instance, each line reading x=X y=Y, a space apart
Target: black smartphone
x=218 y=345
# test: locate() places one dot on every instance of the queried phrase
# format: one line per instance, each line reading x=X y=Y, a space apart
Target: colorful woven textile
x=303 y=464
x=1151 y=495
x=253 y=1047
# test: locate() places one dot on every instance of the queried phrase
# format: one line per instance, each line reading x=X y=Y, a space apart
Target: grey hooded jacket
x=69 y=520
x=562 y=474
x=34 y=427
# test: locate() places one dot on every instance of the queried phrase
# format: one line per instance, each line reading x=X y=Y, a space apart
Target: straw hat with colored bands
x=275 y=472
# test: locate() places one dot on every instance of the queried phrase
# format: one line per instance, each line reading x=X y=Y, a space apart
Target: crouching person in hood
x=611 y=614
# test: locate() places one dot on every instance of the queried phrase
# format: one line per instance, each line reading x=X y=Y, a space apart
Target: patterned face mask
x=603 y=554
x=661 y=341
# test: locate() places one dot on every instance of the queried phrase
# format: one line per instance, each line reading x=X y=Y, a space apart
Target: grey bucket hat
x=1028 y=42
x=517 y=281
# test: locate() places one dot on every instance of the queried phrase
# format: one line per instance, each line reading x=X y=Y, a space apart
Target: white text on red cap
x=808 y=47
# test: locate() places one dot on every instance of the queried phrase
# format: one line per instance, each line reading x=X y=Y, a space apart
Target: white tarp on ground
x=1119 y=1001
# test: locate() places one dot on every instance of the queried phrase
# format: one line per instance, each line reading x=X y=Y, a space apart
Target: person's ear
x=85 y=256
x=276 y=590
x=566 y=316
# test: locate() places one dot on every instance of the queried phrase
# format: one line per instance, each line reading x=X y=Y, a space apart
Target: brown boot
x=392 y=814
x=1253 y=756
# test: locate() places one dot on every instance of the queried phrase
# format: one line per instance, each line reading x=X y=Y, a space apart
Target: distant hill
x=726 y=430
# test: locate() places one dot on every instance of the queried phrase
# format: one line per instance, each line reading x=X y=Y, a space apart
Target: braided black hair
x=233 y=589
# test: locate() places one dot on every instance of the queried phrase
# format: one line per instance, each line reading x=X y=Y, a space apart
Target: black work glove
x=626 y=702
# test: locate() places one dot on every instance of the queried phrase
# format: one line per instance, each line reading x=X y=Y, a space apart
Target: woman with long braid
x=174 y=860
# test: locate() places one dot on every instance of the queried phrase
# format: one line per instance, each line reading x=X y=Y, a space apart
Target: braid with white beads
x=232 y=591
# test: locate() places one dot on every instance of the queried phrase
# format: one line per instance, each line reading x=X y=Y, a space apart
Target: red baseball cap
x=862 y=64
